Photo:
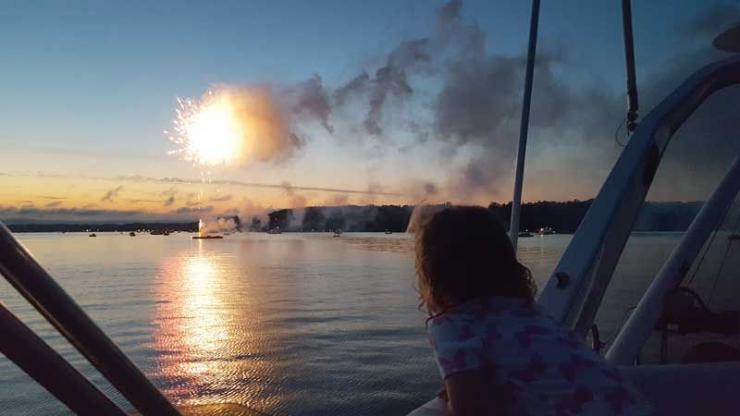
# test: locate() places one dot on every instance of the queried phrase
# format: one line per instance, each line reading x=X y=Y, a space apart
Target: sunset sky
x=374 y=102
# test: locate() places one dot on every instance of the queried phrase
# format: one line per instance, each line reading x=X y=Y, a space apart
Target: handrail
x=44 y=293
x=574 y=291
x=641 y=322
x=37 y=359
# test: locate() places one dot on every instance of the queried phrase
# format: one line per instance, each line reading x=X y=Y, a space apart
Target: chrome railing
x=37 y=359
x=44 y=293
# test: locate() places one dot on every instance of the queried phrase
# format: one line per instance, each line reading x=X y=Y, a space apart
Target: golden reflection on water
x=205 y=334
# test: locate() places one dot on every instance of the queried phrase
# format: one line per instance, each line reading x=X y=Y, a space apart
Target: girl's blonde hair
x=463 y=253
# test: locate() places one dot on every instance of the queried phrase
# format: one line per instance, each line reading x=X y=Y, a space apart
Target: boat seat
x=686 y=313
x=711 y=352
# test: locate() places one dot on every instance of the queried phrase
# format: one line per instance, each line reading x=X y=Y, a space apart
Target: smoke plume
x=447 y=91
x=225 y=224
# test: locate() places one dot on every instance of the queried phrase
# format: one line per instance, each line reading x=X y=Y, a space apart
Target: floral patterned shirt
x=540 y=368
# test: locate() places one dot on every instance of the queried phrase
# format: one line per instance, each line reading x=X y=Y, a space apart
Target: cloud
x=337 y=200
x=221 y=182
x=30 y=213
x=714 y=21
x=111 y=194
x=189 y=181
x=92 y=150
x=287 y=187
x=357 y=85
x=194 y=210
x=169 y=201
x=430 y=188
x=476 y=110
x=222 y=198
x=193 y=199
x=312 y=100
x=474 y=101
x=466 y=101
x=390 y=80
x=171 y=191
x=296 y=200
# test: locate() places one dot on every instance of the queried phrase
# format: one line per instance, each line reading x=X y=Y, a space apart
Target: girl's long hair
x=464 y=253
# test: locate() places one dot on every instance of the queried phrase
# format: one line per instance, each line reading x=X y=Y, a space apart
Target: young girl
x=497 y=353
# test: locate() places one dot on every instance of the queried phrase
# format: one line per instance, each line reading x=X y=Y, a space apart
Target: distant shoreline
x=564 y=217
x=103 y=227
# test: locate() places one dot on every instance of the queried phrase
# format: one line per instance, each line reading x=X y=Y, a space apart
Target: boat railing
x=27 y=276
x=575 y=289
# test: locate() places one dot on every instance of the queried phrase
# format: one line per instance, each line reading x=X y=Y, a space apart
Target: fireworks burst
x=232 y=126
x=208 y=132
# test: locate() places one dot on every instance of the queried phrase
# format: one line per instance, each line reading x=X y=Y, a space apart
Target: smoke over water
x=215 y=225
x=446 y=92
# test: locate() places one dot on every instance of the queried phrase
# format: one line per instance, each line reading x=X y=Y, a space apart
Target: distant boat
x=388 y=232
x=159 y=232
x=546 y=231
x=132 y=234
x=275 y=230
x=525 y=234
x=338 y=232
x=92 y=235
x=207 y=237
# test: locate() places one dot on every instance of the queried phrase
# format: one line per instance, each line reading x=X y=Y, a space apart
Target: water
x=291 y=324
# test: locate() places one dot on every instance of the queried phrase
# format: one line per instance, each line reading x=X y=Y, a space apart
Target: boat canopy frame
x=575 y=289
x=640 y=324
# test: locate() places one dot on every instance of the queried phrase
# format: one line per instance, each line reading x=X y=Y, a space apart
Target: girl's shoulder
x=510 y=313
x=501 y=326
x=486 y=332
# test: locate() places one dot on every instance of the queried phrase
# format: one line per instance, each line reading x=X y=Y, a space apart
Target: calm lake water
x=291 y=324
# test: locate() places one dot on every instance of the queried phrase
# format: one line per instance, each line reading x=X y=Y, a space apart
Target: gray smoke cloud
x=708 y=141
x=473 y=104
x=390 y=80
x=111 y=194
x=715 y=20
x=477 y=104
x=220 y=224
x=312 y=100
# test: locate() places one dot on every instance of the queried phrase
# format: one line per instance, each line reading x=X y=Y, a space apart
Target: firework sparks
x=208 y=132
x=231 y=126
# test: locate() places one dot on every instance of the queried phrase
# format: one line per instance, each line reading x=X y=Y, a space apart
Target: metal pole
x=629 y=59
x=37 y=359
x=641 y=322
x=524 y=127
x=44 y=293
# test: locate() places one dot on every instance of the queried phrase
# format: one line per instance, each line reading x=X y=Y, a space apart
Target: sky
x=356 y=102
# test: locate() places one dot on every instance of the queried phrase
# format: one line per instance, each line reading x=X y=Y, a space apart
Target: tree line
x=562 y=216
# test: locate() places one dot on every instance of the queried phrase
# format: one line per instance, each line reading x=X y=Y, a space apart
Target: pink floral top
x=540 y=368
